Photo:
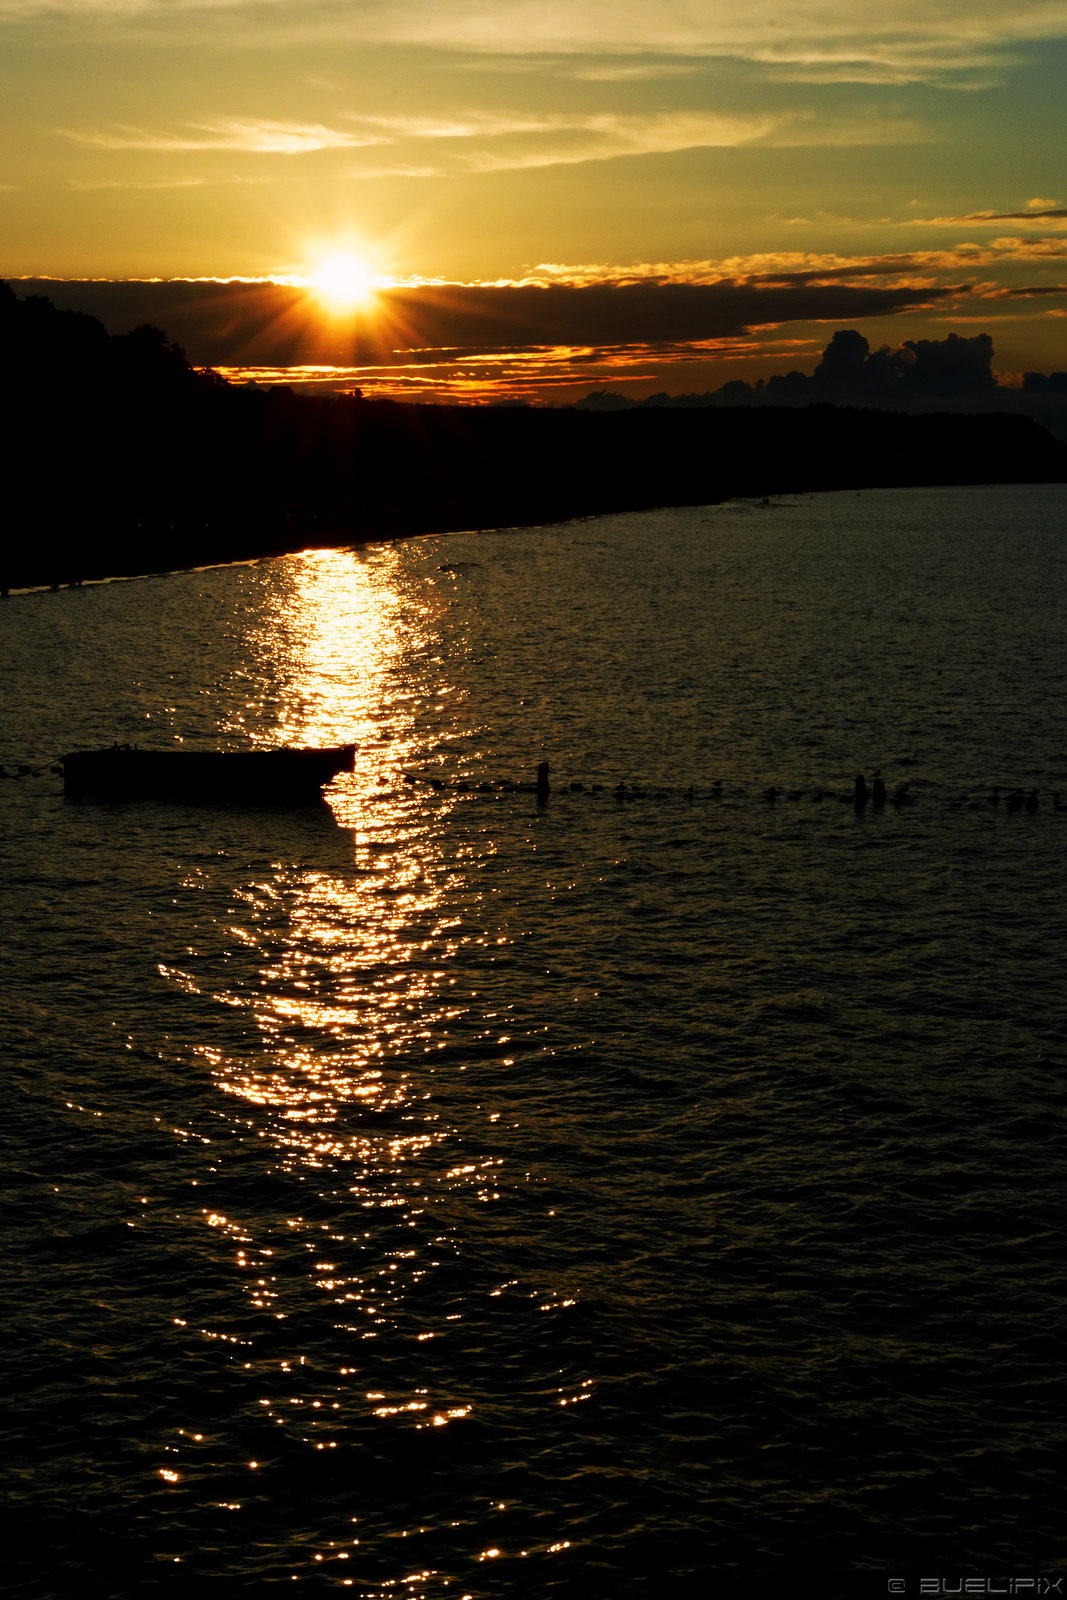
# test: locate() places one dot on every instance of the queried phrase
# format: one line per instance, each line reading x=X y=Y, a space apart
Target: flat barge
x=284 y=776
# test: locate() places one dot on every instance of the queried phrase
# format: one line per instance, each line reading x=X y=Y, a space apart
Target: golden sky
x=915 y=149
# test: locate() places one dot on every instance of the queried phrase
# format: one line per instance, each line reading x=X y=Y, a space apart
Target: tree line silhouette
x=122 y=457
x=918 y=376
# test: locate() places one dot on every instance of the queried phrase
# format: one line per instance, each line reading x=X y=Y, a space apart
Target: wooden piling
x=542 y=783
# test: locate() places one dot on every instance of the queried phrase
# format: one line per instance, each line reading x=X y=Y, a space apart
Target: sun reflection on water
x=330 y=983
x=342 y=969
x=336 y=635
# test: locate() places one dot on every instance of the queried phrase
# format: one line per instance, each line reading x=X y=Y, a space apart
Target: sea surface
x=659 y=1192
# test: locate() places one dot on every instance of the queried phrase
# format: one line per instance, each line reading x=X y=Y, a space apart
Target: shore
x=274 y=475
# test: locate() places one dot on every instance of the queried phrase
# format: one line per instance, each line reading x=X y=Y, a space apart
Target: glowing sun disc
x=343 y=282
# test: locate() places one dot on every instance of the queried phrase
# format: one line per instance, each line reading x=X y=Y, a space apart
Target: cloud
x=254 y=136
x=566 y=140
x=795 y=266
x=124 y=183
x=897 y=41
x=951 y=64
x=232 y=323
x=633 y=72
x=600 y=307
x=105 y=10
x=470 y=341
x=496 y=141
x=1031 y=291
x=1018 y=216
x=899 y=33
x=1048 y=213
x=468 y=124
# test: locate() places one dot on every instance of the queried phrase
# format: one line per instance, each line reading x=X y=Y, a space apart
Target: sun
x=343 y=281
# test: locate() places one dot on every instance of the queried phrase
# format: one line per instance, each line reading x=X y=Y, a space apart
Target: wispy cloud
x=778 y=266
x=1028 y=291
x=633 y=71
x=495 y=141
x=956 y=67
x=1016 y=216
x=900 y=35
x=905 y=268
x=477 y=141
x=108 y=10
x=132 y=183
x=897 y=41
x=566 y=140
x=254 y=136
x=1048 y=212
x=608 y=135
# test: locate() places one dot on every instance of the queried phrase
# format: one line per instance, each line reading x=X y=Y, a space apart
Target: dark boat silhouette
x=282 y=776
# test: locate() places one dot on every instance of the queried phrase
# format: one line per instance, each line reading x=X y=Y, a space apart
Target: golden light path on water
x=348 y=963
x=343 y=983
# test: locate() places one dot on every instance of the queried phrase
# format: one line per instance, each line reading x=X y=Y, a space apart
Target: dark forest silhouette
x=121 y=457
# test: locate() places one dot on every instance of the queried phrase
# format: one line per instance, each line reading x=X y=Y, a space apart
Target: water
x=431 y=1195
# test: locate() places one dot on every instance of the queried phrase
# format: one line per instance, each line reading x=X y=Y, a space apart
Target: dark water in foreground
x=434 y=1197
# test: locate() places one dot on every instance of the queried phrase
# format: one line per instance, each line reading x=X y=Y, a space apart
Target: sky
x=542 y=169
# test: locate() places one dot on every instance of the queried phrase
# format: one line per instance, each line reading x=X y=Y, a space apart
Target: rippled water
x=438 y=1196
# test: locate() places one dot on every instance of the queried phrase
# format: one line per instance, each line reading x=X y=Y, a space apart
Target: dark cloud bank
x=238 y=323
x=268 y=324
